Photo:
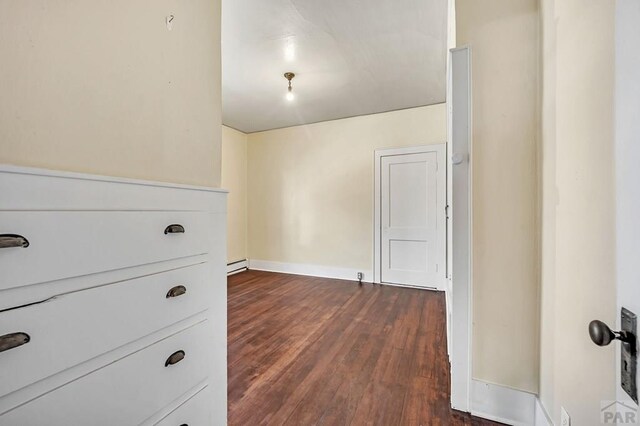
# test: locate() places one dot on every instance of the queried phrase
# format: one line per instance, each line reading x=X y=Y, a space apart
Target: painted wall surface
x=503 y=35
x=106 y=88
x=578 y=206
x=234 y=179
x=310 y=187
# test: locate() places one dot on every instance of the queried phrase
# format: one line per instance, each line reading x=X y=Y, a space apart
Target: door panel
x=412 y=219
x=627 y=172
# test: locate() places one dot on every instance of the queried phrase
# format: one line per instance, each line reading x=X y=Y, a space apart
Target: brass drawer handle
x=13 y=340
x=174 y=358
x=176 y=291
x=174 y=229
x=12 y=240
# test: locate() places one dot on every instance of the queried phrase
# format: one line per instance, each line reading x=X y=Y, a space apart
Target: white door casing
x=461 y=227
x=410 y=216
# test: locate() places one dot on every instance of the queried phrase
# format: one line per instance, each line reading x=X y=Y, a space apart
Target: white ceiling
x=351 y=57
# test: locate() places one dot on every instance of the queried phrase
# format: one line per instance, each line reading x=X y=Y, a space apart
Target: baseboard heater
x=238 y=266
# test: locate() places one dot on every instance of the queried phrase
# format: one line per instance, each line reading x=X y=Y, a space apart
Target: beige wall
x=105 y=88
x=503 y=35
x=578 y=204
x=234 y=179
x=311 y=187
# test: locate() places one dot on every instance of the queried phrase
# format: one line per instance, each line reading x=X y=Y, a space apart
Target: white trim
x=542 y=418
x=416 y=287
x=502 y=404
x=309 y=270
x=462 y=231
x=239 y=266
x=8 y=168
x=347 y=274
x=52 y=190
x=440 y=150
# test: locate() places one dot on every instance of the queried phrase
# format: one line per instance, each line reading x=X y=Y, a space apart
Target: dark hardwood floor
x=316 y=351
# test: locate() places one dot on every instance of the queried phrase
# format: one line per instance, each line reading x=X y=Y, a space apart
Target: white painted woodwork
x=26 y=188
x=502 y=404
x=29 y=393
x=66 y=244
x=236 y=267
x=309 y=270
x=195 y=411
x=101 y=318
x=20 y=296
x=627 y=129
x=461 y=229
x=126 y=392
x=350 y=58
x=412 y=207
x=90 y=290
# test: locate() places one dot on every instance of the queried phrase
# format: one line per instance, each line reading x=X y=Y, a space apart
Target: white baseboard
x=502 y=404
x=239 y=266
x=542 y=416
x=310 y=270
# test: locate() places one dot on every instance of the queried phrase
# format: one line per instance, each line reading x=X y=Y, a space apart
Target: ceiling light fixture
x=289 y=76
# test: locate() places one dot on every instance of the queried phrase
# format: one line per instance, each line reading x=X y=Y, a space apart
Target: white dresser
x=112 y=301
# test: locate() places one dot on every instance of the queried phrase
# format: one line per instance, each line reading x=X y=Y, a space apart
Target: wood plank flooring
x=316 y=351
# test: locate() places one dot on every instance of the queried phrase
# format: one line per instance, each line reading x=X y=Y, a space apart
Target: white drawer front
x=75 y=327
x=196 y=411
x=126 y=392
x=69 y=244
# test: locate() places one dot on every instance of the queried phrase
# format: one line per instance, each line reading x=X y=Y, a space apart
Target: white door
x=627 y=110
x=412 y=203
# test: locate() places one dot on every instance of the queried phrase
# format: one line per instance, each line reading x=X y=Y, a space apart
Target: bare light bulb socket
x=289 y=76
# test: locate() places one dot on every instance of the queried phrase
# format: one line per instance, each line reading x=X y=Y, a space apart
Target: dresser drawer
x=75 y=243
x=196 y=411
x=75 y=327
x=126 y=392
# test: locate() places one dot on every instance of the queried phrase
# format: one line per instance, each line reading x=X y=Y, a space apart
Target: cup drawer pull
x=174 y=229
x=174 y=358
x=13 y=340
x=12 y=240
x=176 y=291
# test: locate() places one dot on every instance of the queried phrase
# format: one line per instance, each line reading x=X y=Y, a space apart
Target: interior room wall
x=503 y=35
x=106 y=88
x=234 y=179
x=310 y=188
x=578 y=205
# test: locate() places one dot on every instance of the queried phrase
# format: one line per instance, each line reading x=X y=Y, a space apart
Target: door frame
x=440 y=150
x=460 y=168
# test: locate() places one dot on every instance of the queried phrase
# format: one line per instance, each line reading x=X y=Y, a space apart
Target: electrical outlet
x=360 y=276
x=565 y=419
